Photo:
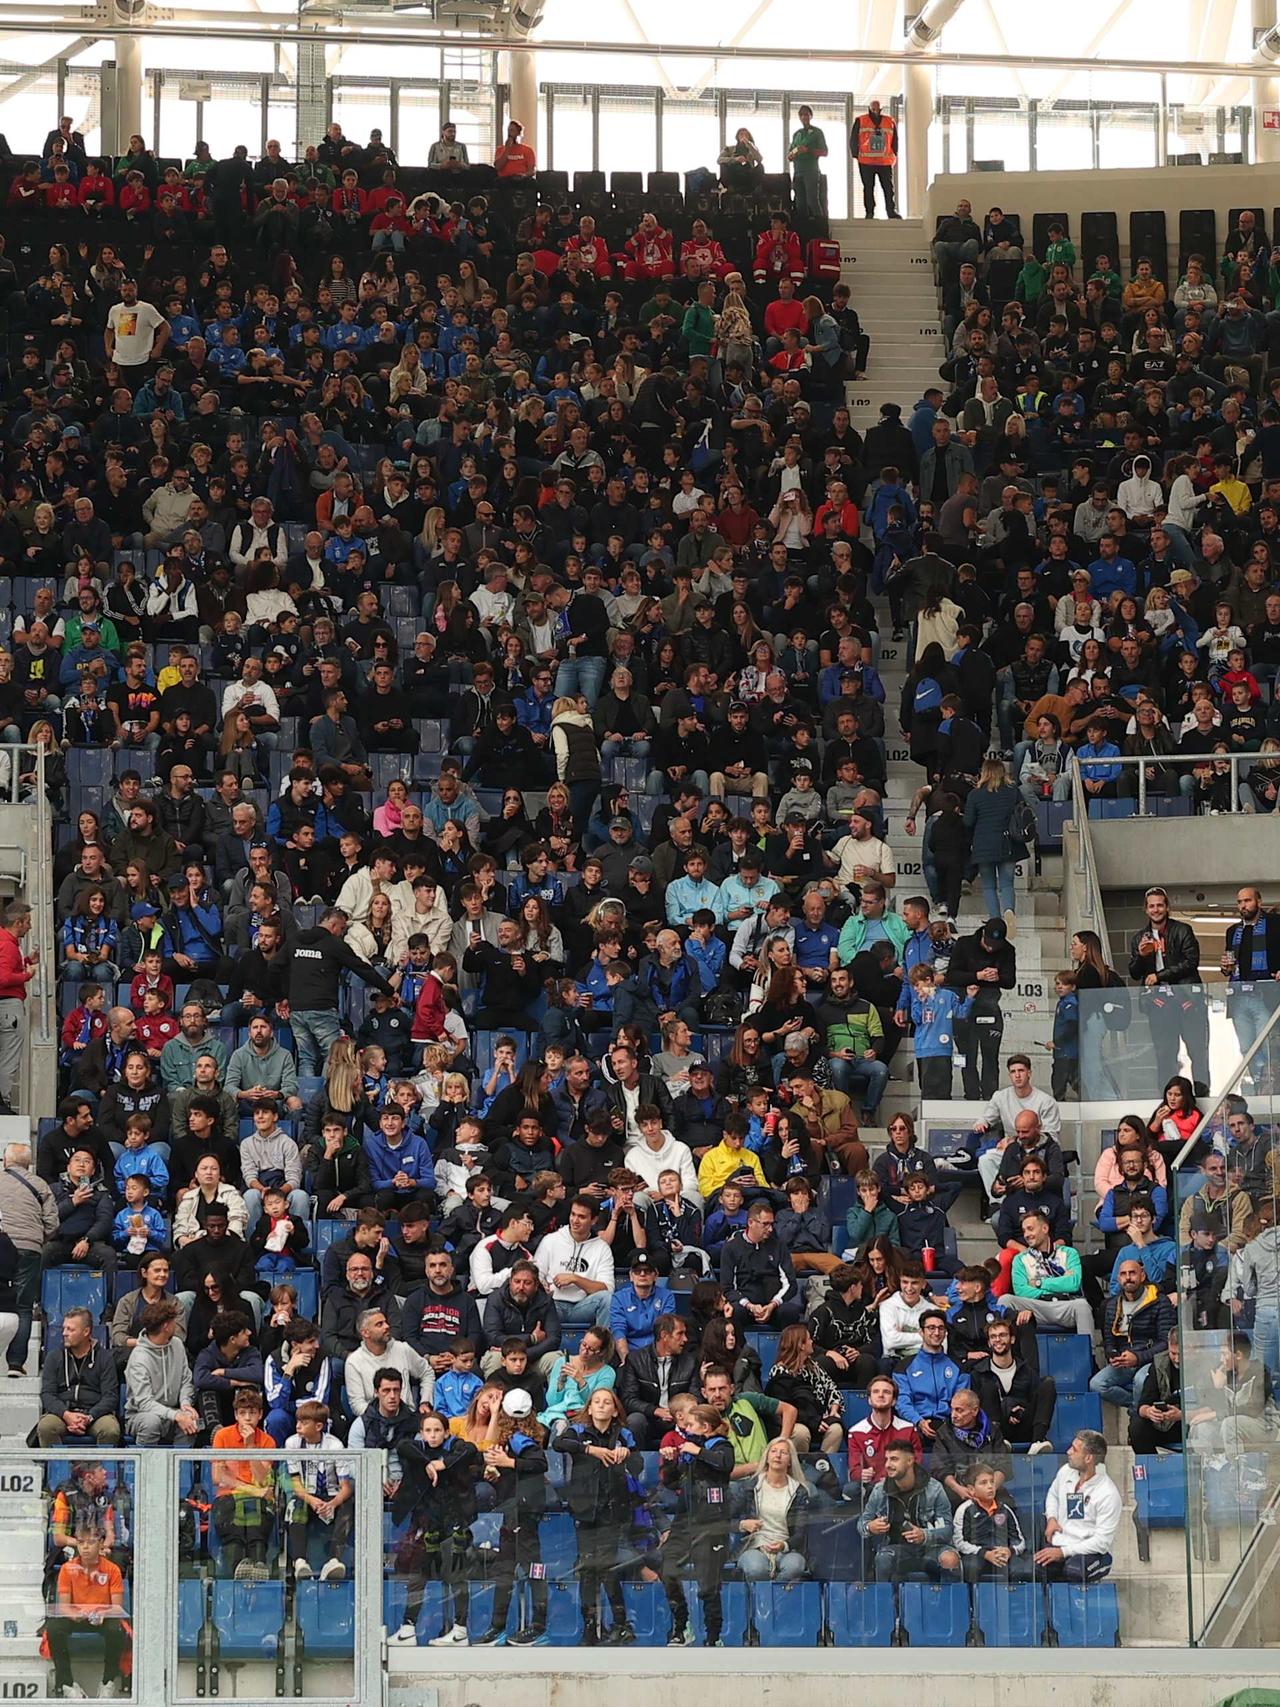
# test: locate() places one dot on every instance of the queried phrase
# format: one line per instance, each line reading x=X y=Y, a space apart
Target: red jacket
x=593 y=250
x=74 y=1024
x=709 y=253
x=778 y=255
x=15 y=974
x=650 y=248
x=428 y=1012
x=98 y=189
x=868 y=1444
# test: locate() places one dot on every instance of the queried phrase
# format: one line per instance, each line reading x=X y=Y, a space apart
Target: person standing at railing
x=1163 y=956
x=1250 y=963
x=17 y=969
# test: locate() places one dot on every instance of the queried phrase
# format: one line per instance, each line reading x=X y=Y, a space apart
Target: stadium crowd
x=451 y=642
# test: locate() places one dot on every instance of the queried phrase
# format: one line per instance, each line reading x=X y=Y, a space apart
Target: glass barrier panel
x=1134 y=1039
x=266 y=1600
x=66 y=1575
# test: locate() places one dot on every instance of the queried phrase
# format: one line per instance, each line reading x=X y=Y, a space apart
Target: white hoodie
x=1089 y=1512
x=673 y=1154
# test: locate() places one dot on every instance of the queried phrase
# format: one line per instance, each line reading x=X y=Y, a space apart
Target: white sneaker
x=1039 y=1446
x=114 y=1690
x=301 y=1570
x=455 y=1638
x=244 y=1571
x=73 y=1692
x=332 y=1571
x=1011 y=922
x=406 y=1636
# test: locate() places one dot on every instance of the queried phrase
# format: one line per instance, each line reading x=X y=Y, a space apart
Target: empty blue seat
x=559 y=1543
x=935 y=1615
x=733 y=1604
x=787 y=1615
x=329 y=1230
x=307 y=1283
x=833 y=1546
x=1069 y=1359
x=861 y=1615
x=1159 y=1498
x=327 y=1619
x=1009 y=1617
x=248 y=1616
x=480 y=1610
x=190 y=1615
x=648 y=1613
x=1085 y=1617
x=856 y=1408
x=1073 y=1412
x=564 y=1617
x=767 y=1345
x=73 y=1287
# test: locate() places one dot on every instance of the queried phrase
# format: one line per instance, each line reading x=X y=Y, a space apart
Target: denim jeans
x=315 y=1031
x=299 y=1207
x=624 y=747
x=1114 y=1386
x=997 y=886
x=26 y=1286
x=580 y=675
x=874 y=1075
x=589 y=1312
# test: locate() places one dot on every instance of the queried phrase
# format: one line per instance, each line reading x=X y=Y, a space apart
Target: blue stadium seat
x=1072 y=1413
x=480 y=1610
x=766 y=1344
x=861 y=1616
x=307 y=1282
x=1159 y=1498
x=856 y=1408
x=248 y=1616
x=1069 y=1359
x=649 y=1473
x=647 y=1613
x=787 y=1616
x=327 y=1619
x=328 y=1231
x=564 y=1616
x=841 y=1197
x=935 y=1615
x=1011 y=1617
x=190 y=1615
x=72 y=1287
x=833 y=1547
x=1085 y=1617
x=559 y=1543
x=733 y=1602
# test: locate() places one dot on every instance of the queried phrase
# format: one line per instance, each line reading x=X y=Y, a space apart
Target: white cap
x=517 y=1403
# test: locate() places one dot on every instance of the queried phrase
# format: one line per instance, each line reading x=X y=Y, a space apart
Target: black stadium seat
x=1099 y=235
x=1148 y=236
x=1198 y=235
x=1040 y=223
x=553 y=187
x=1260 y=214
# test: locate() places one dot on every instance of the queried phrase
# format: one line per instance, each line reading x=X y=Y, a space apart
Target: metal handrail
x=1175 y=761
x=1086 y=863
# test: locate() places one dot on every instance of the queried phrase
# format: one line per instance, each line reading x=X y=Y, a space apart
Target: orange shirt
x=102 y=1586
x=515 y=160
x=252 y=1472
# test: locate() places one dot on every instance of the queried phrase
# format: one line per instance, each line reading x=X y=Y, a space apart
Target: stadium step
x=888 y=267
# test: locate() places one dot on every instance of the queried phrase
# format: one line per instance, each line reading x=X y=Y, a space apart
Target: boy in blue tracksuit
x=400 y=1167
x=933 y=1013
x=705 y=949
x=456 y=1388
x=1065 y=1077
x=727 y=1218
x=922 y=1223
x=138 y=1229
x=140 y=1156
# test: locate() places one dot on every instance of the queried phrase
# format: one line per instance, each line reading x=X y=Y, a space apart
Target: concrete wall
x=762 y=1678
x=1204 y=856
x=1120 y=191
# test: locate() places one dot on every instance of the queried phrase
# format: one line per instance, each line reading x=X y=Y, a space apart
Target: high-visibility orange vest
x=876 y=146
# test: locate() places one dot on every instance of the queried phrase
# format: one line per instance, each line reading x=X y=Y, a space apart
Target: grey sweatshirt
x=159 y=1379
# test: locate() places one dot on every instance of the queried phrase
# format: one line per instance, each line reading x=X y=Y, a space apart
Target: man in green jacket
x=808 y=147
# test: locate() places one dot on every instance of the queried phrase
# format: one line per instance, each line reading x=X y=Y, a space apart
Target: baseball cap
x=995 y=930
x=642 y=862
x=143 y=910
x=699 y=1066
x=642 y=1260
x=517 y=1403
x=796 y=818
x=178 y=881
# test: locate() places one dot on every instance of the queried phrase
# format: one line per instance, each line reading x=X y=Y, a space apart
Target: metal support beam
x=27 y=78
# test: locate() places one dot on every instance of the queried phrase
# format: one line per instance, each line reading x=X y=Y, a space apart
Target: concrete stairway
x=887 y=265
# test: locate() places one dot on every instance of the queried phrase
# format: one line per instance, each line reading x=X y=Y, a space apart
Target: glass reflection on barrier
x=266 y=1590
x=1133 y=1039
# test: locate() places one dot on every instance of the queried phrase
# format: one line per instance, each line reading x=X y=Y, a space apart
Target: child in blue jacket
x=400 y=1167
x=140 y=1156
x=934 y=1011
x=138 y=1229
x=456 y=1388
x=1065 y=1078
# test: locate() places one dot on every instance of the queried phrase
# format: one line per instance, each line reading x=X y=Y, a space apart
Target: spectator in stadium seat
x=79 y=1388
x=161 y=1397
x=1082 y=1514
x=907 y=1520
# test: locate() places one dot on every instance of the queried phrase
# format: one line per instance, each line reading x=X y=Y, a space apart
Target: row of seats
x=1099 y=234
x=249 y=1616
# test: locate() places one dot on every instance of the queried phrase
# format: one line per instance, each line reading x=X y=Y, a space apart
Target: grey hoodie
x=158 y=1378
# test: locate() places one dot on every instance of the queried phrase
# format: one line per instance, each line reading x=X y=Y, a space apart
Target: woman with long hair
x=798 y=1378
x=723 y=1347
x=509 y=830
x=988 y=815
x=784 y=1014
x=779 y=1498
x=1175 y=1117
x=879 y=1271
x=603 y=1465
x=746 y=1067
x=1131 y=1130
x=238 y=750
x=541 y=938
x=341 y=1096
x=574 y=1377
x=1104 y=1007
x=89 y=940
x=529 y=1095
